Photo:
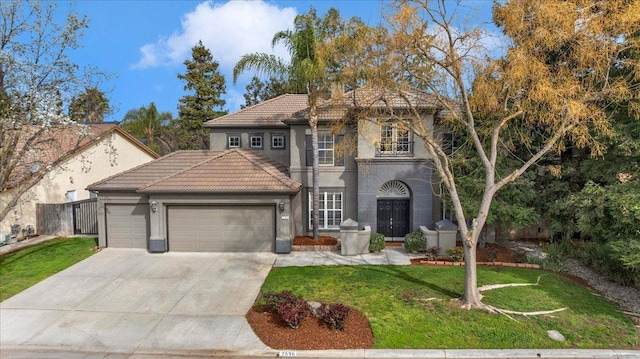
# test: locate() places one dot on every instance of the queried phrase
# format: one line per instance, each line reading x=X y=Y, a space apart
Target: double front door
x=393 y=217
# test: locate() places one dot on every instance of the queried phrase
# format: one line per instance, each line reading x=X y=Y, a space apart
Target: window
x=277 y=141
x=233 y=141
x=326 y=153
x=330 y=209
x=256 y=141
x=394 y=140
x=449 y=143
x=325 y=149
x=93 y=195
x=71 y=195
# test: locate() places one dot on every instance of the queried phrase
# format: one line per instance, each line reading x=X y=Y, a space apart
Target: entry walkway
x=390 y=255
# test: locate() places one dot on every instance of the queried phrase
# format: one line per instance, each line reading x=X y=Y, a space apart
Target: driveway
x=131 y=302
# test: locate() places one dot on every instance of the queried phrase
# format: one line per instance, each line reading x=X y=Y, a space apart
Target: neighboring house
x=100 y=151
x=252 y=190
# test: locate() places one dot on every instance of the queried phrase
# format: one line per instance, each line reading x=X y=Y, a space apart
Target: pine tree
x=204 y=103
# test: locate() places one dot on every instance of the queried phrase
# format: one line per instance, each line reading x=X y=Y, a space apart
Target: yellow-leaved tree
x=551 y=86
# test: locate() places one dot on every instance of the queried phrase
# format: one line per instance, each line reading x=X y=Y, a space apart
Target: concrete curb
x=473 y=353
x=57 y=352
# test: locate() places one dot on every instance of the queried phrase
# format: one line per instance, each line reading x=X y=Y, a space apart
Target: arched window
x=393 y=189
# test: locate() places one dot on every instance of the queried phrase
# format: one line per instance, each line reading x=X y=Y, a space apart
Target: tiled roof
x=56 y=144
x=331 y=109
x=268 y=113
x=231 y=171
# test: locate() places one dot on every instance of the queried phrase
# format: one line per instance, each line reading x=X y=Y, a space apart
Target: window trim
x=395 y=141
x=325 y=217
x=234 y=136
x=276 y=136
x=259 y=136
x=331 y=150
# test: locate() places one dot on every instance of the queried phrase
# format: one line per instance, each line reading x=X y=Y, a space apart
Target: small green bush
x=456 y=254
x=376 y=242
x=414 y=242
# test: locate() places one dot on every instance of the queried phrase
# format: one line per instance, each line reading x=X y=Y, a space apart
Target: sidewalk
x=390 y=255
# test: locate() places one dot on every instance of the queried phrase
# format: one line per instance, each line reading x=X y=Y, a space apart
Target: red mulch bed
x=308 y=241
x=313 y=333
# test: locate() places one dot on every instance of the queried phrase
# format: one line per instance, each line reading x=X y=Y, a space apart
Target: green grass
x=20 y=270
x=394 y=299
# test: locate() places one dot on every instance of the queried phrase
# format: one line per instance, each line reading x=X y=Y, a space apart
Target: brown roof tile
x=369 y=98
x=232 y=171
x=267 y=114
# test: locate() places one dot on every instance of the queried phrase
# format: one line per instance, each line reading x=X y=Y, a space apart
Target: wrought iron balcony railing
x=402 y=148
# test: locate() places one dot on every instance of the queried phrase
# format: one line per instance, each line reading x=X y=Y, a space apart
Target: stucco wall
x=417 y=175
x=369 y=136
x=89 y=166
x=342 y=178
x=218 y=141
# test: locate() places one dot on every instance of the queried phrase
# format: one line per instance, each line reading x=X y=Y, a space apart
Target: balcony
x=394 y=149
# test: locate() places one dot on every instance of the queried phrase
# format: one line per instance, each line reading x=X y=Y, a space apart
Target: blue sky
x=143 y=44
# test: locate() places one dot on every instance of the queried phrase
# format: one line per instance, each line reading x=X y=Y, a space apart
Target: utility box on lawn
x=447 y=234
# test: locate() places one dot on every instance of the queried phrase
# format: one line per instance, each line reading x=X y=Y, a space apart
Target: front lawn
x=20 y=270
x=412 y=306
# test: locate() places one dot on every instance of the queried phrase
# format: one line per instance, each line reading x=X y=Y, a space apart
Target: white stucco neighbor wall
x=112 y=155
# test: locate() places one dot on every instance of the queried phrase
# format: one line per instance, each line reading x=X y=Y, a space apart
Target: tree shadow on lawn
x=396 y=272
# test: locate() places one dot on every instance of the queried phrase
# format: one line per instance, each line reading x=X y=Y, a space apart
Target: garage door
x=127 y=225
x=221 y=228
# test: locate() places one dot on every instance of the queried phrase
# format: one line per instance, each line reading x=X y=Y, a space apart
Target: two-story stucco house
x=253 y=188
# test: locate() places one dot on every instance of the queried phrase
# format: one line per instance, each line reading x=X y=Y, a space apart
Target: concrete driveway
x=128 y=301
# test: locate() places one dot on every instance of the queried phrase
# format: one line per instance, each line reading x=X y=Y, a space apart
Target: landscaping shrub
x=601 y=258
x=290 y=308
x=334 y=315
x=456 y=254
x=376 y=242
x=492 y=254
x=555 y=253
x=414 y=242
x=432 y=253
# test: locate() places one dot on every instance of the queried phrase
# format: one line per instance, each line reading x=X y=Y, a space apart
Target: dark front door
x=393 y=217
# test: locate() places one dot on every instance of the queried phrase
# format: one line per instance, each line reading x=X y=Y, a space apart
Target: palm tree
x=305 y=73
x=147 y=123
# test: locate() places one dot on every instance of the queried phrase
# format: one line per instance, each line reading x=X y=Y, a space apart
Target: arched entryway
x=394 y=209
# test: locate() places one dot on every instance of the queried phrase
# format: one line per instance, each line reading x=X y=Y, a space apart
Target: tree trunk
x=471 y=297
x=313 y=122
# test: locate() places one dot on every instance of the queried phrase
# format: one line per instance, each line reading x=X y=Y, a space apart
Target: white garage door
x=221 y=228
x=127 y=225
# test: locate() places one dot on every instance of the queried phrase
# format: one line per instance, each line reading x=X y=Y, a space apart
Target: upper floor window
x=277 y=141
x=326 y=149
x=449 y=143
x=233 y=141
x=256 y=141
x=394 y=141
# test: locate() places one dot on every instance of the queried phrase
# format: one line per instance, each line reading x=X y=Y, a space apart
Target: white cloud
x=229 y=30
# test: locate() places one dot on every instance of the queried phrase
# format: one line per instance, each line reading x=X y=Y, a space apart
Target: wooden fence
x=64 y=219
x=538 y=232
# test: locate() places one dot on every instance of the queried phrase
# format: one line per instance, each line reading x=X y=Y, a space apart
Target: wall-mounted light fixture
x=281 y=206
x=154 y=206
